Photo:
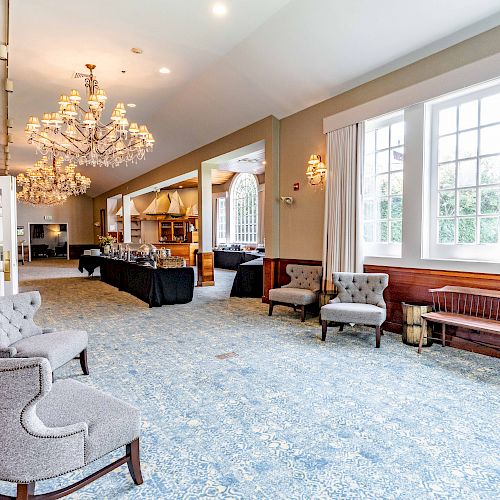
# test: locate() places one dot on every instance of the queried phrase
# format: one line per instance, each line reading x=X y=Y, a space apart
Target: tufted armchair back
x=304 y=277
x=16 y=317
x=30 y=450
x=361 y=288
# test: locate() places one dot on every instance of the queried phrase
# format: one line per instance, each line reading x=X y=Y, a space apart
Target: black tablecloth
x=248 y=281
x=231 y=259
x=156 y=287
x=89 y=263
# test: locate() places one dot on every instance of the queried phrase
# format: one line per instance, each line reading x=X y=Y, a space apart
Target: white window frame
x=482 y=252
x=382 y=249
x=221 y=220
x=233 y=218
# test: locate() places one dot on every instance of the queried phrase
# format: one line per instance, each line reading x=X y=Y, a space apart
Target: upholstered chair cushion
x=304 y=277
x=111 y=423
x=58 y=347
x=49 y=429
x=361 y=314
x=361 y=288
x=30 y=450
x=295 y=296
x=16 y=317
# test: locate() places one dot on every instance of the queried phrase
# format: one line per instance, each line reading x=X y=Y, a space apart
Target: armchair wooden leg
x=422 y=331
x=302 y=313
x=134 y=461
x=324 y=327
x=271 y=306
x=84 y=362
x=443 y=334
x=25 y=491
x=378 y=332
x=341 y=327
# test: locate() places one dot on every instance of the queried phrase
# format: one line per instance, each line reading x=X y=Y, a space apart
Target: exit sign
x=47 y=217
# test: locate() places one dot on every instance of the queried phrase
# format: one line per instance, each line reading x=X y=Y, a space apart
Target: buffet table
x=248 y=281
x=156 y=287
x=89 y=263
x=231 y=259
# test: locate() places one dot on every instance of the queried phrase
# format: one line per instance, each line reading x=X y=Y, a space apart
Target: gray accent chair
x=360 y=301
x=51 y=428
x=21 y=337
x=302 y=291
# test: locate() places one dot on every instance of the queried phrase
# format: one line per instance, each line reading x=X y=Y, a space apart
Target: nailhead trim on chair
x=39 y=436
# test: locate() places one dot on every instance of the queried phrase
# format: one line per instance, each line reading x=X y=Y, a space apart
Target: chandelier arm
x=73 y=143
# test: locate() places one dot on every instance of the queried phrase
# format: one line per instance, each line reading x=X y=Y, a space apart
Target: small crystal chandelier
x=78 y=135
x=316 y=171
x=50 y=183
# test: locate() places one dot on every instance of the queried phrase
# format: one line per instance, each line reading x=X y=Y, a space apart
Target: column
x=127 y=233
x=205 y=258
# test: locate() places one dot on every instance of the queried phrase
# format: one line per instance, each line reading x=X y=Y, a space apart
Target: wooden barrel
x=413 y=324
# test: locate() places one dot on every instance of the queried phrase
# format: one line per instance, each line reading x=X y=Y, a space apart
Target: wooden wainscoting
x=75 y=251
x=205 y=261
x=412 y=286
x=275 y=273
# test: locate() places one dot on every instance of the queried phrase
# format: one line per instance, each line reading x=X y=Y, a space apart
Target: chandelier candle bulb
x=74 y=96
x=87 y=138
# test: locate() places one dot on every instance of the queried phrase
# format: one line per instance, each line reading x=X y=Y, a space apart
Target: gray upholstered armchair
x=360 y=300
x=51 y=428
x=302 y=291
x=21 y=337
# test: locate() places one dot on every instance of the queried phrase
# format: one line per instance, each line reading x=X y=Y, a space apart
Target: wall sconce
x=316 y=171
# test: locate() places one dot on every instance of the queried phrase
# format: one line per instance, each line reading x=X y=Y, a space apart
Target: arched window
x=244 y=202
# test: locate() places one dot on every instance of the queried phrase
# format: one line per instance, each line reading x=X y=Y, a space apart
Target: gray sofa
x=51 y=428
x=21 y=337
x=360 y=300
x=302 y=291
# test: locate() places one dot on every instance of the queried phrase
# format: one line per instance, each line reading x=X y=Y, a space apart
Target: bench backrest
x=478 y=302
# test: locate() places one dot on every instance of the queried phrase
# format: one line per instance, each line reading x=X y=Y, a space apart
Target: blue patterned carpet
x=290 y=417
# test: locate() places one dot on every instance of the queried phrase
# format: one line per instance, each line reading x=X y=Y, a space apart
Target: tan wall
x=300 y=135
x=262 y=130
x=301 y=225
x=76 y=212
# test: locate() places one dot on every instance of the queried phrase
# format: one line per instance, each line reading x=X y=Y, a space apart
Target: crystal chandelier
x=50 y=183
x=79 y=136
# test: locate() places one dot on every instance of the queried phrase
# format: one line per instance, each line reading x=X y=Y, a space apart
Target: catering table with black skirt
x=248 y=281
x=156 y=287
x=89 y=263
x=231 y=259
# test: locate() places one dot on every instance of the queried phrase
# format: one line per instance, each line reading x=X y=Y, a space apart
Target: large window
x=383 y=185
x=244 y=202
x=221 y=220
x=464 y=220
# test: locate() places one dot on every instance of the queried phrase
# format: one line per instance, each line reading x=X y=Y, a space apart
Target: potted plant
x=106 y=242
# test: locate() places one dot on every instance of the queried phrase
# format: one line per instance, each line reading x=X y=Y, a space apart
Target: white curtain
x=342 y=248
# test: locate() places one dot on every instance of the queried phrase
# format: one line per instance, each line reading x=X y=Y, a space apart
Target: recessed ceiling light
x=131 y=105
x=164 y=71
x=219 y=9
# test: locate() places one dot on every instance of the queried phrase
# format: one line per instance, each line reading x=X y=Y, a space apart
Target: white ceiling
x=265 y=57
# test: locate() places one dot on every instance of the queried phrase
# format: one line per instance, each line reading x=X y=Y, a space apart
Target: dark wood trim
x=412 y=285
x=84 y=362
x=26 y=491
x=75 y=251
x=205 y=265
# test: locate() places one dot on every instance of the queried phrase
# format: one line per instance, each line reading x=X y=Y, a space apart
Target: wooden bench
x=475 y=309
